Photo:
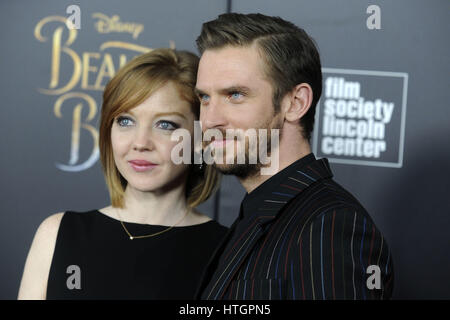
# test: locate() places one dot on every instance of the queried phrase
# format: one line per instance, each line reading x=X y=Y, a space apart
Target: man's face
x=235 y=94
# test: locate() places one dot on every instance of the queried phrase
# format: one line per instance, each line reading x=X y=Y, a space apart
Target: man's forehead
x=229 y=67
x=233 y=54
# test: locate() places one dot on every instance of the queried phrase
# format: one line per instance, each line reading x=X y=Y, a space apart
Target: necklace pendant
x=131 y=238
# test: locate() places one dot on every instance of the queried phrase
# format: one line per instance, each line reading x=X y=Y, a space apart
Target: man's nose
x=212 y=115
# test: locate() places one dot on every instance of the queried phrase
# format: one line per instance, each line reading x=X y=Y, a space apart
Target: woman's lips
x=141 y=165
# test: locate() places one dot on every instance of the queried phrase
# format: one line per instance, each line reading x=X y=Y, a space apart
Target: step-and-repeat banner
x=382 y=120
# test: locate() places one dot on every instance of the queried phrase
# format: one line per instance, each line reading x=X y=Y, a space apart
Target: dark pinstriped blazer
x=308 y=239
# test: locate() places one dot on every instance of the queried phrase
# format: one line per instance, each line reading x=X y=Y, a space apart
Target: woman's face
x=141 y=141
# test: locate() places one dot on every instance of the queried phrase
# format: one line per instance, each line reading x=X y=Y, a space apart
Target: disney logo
x=106 y=24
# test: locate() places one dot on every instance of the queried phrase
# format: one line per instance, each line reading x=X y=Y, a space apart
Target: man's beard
x=247 y=169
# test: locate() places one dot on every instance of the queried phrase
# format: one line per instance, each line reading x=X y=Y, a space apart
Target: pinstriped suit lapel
x=232 y=258
x=249 y=231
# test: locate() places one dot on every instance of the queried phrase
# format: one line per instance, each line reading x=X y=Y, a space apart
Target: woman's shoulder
x=47 y=231
x=40 y=255
x=46 y=234
x=50 y=225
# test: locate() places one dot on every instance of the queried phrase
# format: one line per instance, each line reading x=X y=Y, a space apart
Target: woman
x=150 y=243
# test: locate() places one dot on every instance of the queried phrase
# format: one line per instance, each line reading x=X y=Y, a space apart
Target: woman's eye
x=124 y=121
x=167 y=125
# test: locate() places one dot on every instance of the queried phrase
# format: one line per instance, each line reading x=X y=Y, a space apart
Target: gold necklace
x=153 y=234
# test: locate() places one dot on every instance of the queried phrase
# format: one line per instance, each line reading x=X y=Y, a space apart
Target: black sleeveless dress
x=95 y=259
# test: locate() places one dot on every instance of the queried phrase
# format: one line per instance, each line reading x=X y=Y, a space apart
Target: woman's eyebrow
x=174 y=113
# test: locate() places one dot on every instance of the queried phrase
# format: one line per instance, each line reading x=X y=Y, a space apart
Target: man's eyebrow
x=227 y=90
x=236 y=88
x=198 y=92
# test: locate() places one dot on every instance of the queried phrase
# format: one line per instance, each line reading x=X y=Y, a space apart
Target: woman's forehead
x=165 y=100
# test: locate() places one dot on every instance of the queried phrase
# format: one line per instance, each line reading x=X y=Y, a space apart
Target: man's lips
x=220 y=143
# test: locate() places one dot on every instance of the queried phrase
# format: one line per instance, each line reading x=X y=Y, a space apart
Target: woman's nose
x=143 y=140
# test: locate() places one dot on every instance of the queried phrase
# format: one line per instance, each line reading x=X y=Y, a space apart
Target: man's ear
x=299 y=101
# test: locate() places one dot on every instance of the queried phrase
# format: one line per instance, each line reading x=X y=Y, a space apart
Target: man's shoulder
x=323 y=210
x=322 y=202
x=325 y=195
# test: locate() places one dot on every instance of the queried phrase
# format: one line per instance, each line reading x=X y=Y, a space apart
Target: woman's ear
x=300 y=100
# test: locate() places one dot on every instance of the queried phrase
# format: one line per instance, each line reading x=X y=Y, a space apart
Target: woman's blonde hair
x=132 y=85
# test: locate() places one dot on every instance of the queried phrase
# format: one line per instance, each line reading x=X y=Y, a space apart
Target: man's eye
x=236 y=95
x=124 y=121
x=167 y=125
x=203 y=98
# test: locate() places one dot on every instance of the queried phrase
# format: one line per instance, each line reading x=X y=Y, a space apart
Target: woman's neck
x=165 y=208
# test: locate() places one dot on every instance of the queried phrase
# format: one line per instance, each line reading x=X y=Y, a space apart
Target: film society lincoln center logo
x=360 y=118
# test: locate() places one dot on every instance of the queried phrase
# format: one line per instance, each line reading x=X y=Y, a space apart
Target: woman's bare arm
x=33 y=285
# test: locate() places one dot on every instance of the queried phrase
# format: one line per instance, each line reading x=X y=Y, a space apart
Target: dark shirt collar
x=253 y=200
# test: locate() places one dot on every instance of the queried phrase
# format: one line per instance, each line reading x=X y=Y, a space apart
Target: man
x=299 y=234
